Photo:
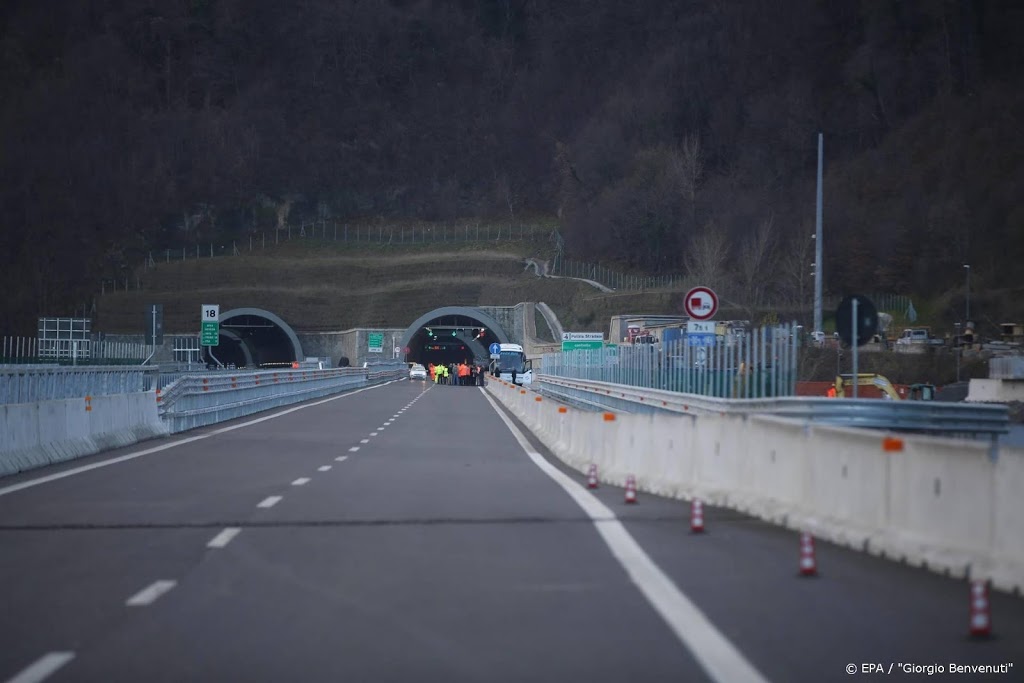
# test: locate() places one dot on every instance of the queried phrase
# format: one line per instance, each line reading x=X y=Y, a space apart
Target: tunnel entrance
x=452 y=334
x=253 y=337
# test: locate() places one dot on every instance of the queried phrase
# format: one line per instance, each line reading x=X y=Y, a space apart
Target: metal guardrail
x=30 y=383
x=936 y=417
x=197 y=400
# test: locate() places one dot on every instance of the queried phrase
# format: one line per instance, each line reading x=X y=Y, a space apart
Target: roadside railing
x=197 y=400
x=932 y=417
x=30 y=350
x=758 y=363
x=31 y=383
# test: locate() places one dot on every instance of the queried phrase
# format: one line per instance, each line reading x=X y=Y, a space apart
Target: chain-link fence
x=330 y=232
x=563 y=267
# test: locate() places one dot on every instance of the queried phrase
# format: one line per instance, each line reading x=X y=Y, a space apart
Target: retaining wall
x=935 y=502
x=46 y=432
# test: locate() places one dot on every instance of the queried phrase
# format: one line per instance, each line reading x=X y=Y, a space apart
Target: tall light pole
x=817 y=242
x=967 y=299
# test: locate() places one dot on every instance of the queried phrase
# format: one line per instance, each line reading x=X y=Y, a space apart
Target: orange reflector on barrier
x=522 y=391
x=609 y=417
x=537 y=399
x=563 y=409
x=892 y=444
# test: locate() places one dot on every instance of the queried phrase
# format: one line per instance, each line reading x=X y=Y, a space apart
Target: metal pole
x=855 y=344
x=967 y=313
x=817 y=240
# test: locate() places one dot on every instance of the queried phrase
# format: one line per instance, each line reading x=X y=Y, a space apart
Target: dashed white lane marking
x=224 y=537
x=364 y=441
x=301 y=481
x=41 y=669
x=150 y=594
x=355 y=448
x=270 y=501
x=323 y=468
x=342 y=458
x=131 y=456
x=722 y=661
x=373 y=433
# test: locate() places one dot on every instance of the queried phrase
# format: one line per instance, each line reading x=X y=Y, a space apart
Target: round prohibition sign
x=701 y=303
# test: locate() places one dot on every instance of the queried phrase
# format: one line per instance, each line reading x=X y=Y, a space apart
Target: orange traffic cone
x=631 y=489
x=981 y=617
x=808 y=564
x=592 y=477
x=696 y=517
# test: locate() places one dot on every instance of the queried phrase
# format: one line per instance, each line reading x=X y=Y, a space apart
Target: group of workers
x=462 y=374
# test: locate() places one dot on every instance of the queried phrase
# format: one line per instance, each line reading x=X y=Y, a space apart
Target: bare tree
x=756 y=259
x=706 y=260
x=795 y=266
x=690 y=168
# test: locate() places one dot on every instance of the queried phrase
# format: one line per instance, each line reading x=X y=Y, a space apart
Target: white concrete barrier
x=46 y=432
x=930 y=501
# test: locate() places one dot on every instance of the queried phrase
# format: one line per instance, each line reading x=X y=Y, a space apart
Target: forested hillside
x=665 y=136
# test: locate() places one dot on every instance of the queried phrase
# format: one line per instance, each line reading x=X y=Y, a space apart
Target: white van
x=914 y=335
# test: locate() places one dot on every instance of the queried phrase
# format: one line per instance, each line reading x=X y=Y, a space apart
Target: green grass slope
x=333 y=287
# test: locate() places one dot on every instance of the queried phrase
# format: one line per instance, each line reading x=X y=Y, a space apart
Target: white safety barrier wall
x=46 y=432
x=940 y=503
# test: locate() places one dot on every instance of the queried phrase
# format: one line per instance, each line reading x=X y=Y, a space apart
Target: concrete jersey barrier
x=939 y=503
x=47 y=432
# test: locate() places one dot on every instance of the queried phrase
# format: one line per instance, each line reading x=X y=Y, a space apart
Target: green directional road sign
x=582 y=344
x=375 y=342
x=209 y=329
x=209 y=335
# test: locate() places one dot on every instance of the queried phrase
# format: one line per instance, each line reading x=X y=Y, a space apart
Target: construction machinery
x=917 y=392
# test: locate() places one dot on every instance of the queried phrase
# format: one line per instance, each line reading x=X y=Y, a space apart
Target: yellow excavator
x=918 y=392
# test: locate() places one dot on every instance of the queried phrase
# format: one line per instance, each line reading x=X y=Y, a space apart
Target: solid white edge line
x=43 y=667
x=224 y=537
x=269 y=501
x=150 y=594
x=716 y=654
x=301 y=481
x=131 y=456
x=323 y=468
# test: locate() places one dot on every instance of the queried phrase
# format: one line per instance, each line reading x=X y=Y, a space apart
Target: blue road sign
x=494 y=348
x=700 y=339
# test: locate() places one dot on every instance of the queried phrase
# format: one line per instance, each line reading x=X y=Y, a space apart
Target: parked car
x=417 y=371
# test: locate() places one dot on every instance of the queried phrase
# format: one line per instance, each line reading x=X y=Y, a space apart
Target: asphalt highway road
x=407 y=533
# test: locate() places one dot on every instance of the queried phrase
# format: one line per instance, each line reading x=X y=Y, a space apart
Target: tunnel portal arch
x=452 y=333
x=255 y=337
